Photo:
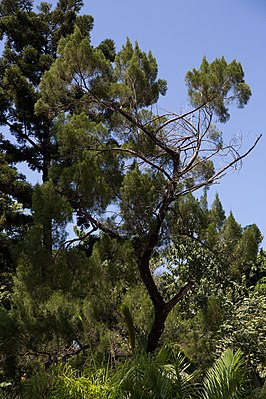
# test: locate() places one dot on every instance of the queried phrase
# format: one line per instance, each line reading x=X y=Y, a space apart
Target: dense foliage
x=116 y=279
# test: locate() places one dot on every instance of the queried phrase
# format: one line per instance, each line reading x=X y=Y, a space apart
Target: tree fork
x=161 y=312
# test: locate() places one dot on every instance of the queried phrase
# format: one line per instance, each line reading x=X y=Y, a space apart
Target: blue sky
x=179 y=34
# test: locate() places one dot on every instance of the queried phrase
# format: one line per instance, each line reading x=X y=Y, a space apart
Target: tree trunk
x=47 y=236
x=161 y=312
x=160 y=315
x=47 y=225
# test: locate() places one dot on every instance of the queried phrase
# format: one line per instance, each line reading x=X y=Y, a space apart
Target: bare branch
x=220 y=173
x=67 y=243
x=143 y=158
x=150 y=134
x=178 y=117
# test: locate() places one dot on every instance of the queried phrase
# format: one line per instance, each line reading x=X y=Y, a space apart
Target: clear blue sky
x=180 y=33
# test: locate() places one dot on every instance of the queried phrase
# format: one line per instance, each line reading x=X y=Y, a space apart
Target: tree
x=160 y=158
x=30 y=48
x=30 y=45
x=245 y=329
x=63 y=306
x=224 y=278
x=15 y=199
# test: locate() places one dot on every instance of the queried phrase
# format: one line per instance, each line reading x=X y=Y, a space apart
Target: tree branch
x=138 y=155
x=178 y=117
x=99 y=225
x=180 y=295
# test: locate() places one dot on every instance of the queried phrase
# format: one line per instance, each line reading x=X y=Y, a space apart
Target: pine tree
x=217 y=214
x=15 y=200
x=167 y=148
x=30 y=48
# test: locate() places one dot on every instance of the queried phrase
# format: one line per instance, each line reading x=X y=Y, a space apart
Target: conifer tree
x=30 y=47
x=217 y=214
x=15 y=201
x=30 y=44
x=161 y=157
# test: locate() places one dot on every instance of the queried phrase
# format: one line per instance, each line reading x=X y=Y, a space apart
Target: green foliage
x=226 y=379
x=75 y=298
x=136 y=73
x=231 y=232
x=206 y=249
x=15 y=197
x=165 y=376
x=191 y=217
x=37 y=386
x=217 y=84
x=63 y=381
x=88 y=173
x=217 y=214
x=139 y=196
x=30 y=47
x=49 y=204
x=240 y=246
x=139 y=304
x=83 y=116
x=81 y=63
x=158 y=157
x=82 y=74
x=246 y=329
x=130 y=326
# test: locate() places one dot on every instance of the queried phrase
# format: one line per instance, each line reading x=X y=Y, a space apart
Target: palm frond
x=226 y=379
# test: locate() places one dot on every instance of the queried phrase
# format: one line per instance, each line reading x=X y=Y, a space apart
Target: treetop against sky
x=179 y=34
